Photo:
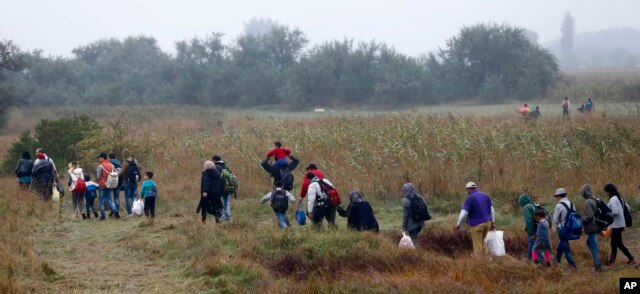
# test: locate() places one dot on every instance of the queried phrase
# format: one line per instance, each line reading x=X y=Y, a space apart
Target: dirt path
x=106 y=256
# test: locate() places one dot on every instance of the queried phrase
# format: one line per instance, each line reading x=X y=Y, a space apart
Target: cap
x=560 y=191
x=470 y=185
x=103 y=155
x=312 y=166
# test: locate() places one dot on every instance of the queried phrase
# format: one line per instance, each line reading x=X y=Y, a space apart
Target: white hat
x=470 y=185
x=560 y=191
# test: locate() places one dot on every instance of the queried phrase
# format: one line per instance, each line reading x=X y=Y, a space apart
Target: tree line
x=276 y=68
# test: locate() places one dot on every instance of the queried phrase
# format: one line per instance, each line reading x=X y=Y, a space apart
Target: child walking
x=90 y=196
x=280 y=199
x=542 y=246
x=149 y=193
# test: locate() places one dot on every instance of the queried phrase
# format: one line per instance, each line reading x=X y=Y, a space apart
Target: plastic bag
x=56 y=194
x=301 y=217
x=138 y=207
x=406 y=242
x=495 y=243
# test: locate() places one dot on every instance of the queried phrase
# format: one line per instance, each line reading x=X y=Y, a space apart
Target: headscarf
x=586 y=192
x=409 y=190
x=209 y=165
x=355 y=196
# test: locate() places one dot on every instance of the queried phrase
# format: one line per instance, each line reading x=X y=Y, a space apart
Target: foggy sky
x=413 y=27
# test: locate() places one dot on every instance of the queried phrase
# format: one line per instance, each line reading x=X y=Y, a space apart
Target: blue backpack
x=572 y=229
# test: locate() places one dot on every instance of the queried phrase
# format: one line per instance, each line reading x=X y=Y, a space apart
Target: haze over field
x=413 y=27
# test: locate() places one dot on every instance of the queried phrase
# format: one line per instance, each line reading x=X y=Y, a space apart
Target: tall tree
x=566 y=40
x=11 y=61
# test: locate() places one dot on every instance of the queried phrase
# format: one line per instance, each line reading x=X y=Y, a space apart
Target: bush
x=57 y=137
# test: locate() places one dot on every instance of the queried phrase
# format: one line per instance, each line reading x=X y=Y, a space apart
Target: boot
x=117 y=215
x=84 y=216
x=95 y=213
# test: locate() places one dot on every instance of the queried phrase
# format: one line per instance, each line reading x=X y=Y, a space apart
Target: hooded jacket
x=590 y=209
x=527 y=210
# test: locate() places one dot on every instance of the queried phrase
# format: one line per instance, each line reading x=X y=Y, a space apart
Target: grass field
x=43 y=250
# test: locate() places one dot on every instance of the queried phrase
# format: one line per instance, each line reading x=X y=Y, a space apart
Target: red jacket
x=279 y=153
x=306 y=182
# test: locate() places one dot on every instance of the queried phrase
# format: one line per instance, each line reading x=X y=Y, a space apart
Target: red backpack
x=81 y=186
x=331 y=192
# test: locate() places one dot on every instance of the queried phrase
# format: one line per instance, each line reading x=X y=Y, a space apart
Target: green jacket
x=527 y=209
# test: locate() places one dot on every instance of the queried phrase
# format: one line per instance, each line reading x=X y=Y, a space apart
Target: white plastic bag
x=406 y=242
x=138 y=207
x=495 y=243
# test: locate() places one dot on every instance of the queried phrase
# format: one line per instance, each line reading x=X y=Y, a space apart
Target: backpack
x=331 y=192
x=286 y=177
x=572 y=229
x=418 y=210
x=79 y=186
x=229 y=181
x=279 y=201
x=565 y=104
x=628 y=221
x=24 y=170
x=133 y=172
x=91 y=192
x=603 y=215
x=112 y=178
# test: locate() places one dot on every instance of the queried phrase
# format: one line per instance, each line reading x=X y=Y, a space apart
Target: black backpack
x=603 y=215
x=133 y=173
x=628 y=221
x=24 y=169
x=418 y=209
x=279 y=200
x=286 y=177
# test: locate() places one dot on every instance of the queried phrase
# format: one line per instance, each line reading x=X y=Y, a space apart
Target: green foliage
x=11 y=61
x=57 y=138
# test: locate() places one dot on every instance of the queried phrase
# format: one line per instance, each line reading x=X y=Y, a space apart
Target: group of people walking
x=218 y=183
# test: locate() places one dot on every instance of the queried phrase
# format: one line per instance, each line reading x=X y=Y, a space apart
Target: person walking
x=560 y=214
x=618 y=207
x=210 y=192
x=226 y=199
x=480 y=215
x=280 y=199
x=130 y=172
x=149 y=192
x=591 y=228
x=542 y=244
x=105 y=194
x=530 y=225
x=319 y=206
x=359 y=214
x=281 y=171
x=43 y=177
x=23 y=171
x=409 y=225
x=77 y=193
x=565 y=108
x=311 y=168
x=116 y=192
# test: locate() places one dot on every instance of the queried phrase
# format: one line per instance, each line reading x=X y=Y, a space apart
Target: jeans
x=105 y=198
x=592 y=243
x=283 y=220
x=78 y=201
x=90 y=203
x=414 y=235
x=150 y=206
x=563 y=247
x=530 y=249
x=116 y=198
x=226 y=211
x=130 y=192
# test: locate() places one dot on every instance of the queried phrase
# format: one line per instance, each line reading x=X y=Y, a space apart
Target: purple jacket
x=478 y=205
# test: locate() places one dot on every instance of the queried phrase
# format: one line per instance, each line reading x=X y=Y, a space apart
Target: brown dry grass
x=45 y=251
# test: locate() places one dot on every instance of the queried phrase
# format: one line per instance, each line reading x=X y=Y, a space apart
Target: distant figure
x=581 y=108
x=589 y=106
x=524 y=110
x=359 y=214
x=90 y=196
x=23 y=171
x=116 y=192
x=536 y=113
x=565 y=108
x=226 y=201
x=279 y=154
x=77 y=193
x=149 y=192
x=130 y=171
x=319 y=206
x=105 y=195
x=210 y=192
x=43 y=177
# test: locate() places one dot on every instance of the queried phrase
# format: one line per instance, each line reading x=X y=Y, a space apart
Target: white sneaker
x=128 y=216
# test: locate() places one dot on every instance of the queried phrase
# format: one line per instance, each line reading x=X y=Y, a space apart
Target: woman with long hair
x=617 y=206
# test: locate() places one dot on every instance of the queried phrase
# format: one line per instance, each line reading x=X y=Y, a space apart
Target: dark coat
x=212 y=184
x=360 y=217
x=274 y=171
